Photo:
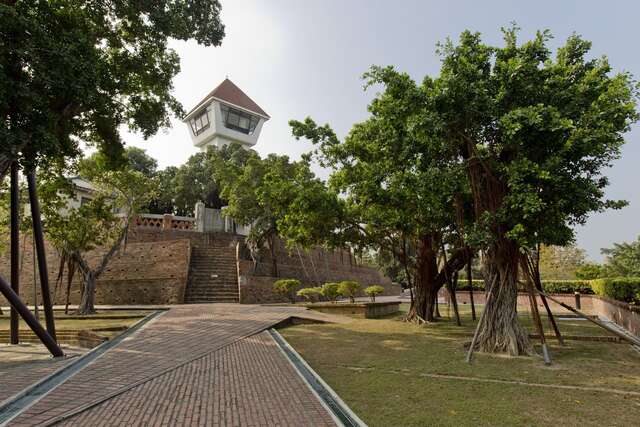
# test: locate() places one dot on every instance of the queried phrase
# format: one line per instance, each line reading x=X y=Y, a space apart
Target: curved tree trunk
x=426 y=289
x=88 y=295
x=499 y=330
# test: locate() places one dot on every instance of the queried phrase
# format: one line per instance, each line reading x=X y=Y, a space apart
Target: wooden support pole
x=538 y=322
x=15 y=250
x=631 y=340
x=452 y=288
x=38 y=238
x=29 y=318
x=470 y=283
x=533 y=272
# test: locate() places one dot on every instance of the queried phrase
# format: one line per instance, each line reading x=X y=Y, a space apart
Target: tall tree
x=101 y=222
x=273 y=195
x=195 y=182
x=139 y=160
x=164 y=202
x=535 y=132
x=79 y=69
x=561 y=262
x=399 y=183
x=623 y=259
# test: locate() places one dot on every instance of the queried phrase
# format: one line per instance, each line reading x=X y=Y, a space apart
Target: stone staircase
x=213 y=273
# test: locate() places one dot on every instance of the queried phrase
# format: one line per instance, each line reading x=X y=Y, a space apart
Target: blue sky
x=305 y=58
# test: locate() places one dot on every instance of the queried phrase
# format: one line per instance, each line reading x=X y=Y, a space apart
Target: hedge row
x=625 y=289
x=550 y=286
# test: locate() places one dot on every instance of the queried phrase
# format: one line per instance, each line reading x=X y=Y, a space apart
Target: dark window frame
x=232 y=119
x=200 y=122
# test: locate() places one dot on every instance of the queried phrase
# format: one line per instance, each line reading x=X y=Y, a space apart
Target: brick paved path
x=194 y=365
x=15 y=376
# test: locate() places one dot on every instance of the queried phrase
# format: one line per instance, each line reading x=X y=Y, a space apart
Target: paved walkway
x=194 y=365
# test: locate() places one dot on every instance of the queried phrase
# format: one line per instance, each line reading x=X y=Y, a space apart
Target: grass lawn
x=396 y=374
x=101 y=320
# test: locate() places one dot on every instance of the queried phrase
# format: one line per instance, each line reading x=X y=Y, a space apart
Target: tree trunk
x=274 y=261
x=470 y=284
x=426 y=289
x=499 y=330
x=88 y=294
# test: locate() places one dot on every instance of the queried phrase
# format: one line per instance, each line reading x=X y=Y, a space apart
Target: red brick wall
x=312 y=268
x=586 y=301
x=141 y=273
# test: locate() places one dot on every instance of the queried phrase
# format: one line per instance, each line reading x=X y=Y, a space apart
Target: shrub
x=349 y=289
x=330 y=291
x=373 y=290
x=463 y=285
x=287 y=287
x=567 y=286
x=310 y=294
x=550 y=286
x=625 y=289
x=589 y=271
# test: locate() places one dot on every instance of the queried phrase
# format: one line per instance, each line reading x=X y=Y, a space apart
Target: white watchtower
x=224 y=116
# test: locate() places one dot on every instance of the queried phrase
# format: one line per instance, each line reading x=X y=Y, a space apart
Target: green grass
x=380 y=367
x=103 y=319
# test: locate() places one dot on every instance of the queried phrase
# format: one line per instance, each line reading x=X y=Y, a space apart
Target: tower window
x=200 y=122
x=239 y=120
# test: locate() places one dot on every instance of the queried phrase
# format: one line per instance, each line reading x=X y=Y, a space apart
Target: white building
x=224 y=116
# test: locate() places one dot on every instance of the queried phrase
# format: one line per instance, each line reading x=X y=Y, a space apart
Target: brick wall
x=313 y=268
x=142 y=273
x=586 y=301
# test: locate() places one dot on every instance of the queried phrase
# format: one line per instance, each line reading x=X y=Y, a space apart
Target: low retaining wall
x=623 y=314
x=586 y=301
x=368 y=310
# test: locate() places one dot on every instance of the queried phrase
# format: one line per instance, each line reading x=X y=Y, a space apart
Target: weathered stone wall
x=141 y=273
x=313 y=268
x=625 y=315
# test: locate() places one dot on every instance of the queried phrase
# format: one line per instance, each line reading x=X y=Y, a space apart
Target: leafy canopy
x=118 y=196
x=536 y=131
x=76 y=70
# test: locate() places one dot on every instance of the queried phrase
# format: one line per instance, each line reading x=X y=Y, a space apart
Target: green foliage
x=310 y=294
x=75 y=71
x=589 y=271
x=623 y=259
x=373 y=290
x=567 y=286
x=625 y=289
x=164 y=202
x=560 y=262
x=331 y=291
x=274 y=195
x=348 y=289
x=139 y=160
x=194 y=182
x=287 y=287
x=463 y=285
x=103 y=221
x=551 y=286
x=543 y=129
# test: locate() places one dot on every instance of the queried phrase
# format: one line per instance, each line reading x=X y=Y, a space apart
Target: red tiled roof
x=229 y=92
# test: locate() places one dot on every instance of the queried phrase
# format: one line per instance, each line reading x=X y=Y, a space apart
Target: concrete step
x=227 y=288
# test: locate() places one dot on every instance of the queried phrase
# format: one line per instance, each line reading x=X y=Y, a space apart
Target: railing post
x=577 y=296
x=166 y=221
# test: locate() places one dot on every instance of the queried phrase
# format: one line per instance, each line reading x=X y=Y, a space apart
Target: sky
x=306 y=58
